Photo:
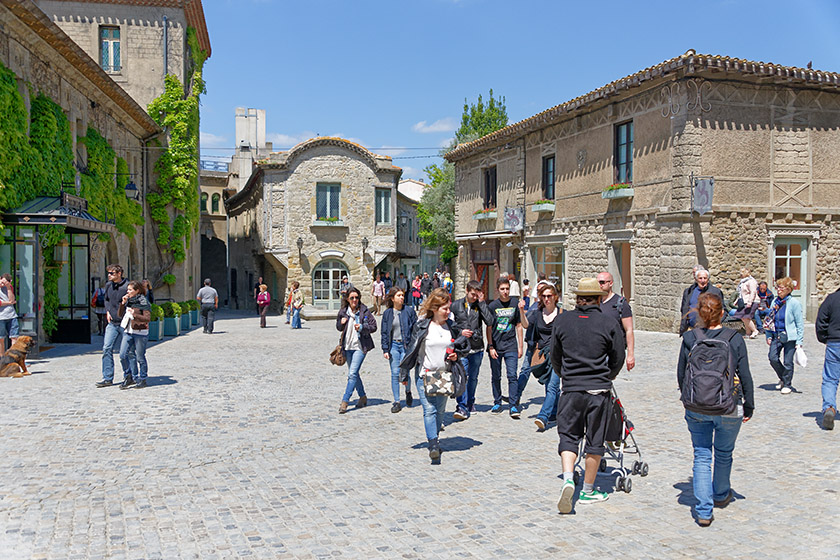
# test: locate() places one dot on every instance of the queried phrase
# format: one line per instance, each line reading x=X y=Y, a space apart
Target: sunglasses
x=353 y=297
x=112 y=272
x=605 y=281
x=547 y=295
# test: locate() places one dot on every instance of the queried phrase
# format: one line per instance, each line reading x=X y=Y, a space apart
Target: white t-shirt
x=6 y=311
x=434 y=347
x=351 y=337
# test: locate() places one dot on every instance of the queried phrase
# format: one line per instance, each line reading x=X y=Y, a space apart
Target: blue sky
x=393 y=75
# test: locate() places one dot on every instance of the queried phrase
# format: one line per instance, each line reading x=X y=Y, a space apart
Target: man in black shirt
x=588 y=351
x=505 y=342
x=618 y=307
x=426 y=285
x=470 y=312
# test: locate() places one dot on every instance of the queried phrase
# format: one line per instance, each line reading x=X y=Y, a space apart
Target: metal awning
x=65 y=210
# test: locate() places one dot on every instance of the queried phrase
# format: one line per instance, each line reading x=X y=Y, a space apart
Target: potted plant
x=171 y=318
x=543 y=206
x=332 y=221
x=156 y=323
x=185 y=315
x=485 y=214
x=194 y=309
x=618 y=190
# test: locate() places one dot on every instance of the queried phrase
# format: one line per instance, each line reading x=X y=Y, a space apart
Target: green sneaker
x=567 y=494
x=592 y=497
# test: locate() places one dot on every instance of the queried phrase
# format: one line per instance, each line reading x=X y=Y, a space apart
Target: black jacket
x=426 y=286
x=828 y=319
x=685 y=306
x=368 y=326
x=418 y=335
x=114 y=292
x=742 y=363
x=471 y=319
x=588 y=349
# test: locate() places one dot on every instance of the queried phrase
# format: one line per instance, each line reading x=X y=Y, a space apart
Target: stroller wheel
x=619 y=484
x=628 y=485
x=603 y=466
x=636 y=467
x=644 y=470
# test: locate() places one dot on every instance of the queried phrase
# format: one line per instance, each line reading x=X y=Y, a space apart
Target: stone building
x=324 y=209
x=763 y=136
x=213 y=181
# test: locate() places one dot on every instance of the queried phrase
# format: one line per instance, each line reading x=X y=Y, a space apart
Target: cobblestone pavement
x=236 y=450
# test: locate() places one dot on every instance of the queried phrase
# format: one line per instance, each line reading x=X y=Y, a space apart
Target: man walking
x=115 y=288
x=426 y=285
x=618 y=307
x=505 y=343
x=209 y=299
x=588 y=353
x=402 y=284
x=828 y=332
x=690 y=296
x=389 y=283
x=470 y=312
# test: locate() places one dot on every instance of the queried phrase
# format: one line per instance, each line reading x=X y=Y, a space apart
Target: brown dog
x=13 y=362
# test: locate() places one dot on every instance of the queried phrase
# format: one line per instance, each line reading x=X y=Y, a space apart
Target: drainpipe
x=165 y=46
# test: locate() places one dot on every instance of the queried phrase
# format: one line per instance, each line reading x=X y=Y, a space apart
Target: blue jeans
x=472 y=364
x=397 y=353
x=783 y=370
x=524 y=373
x=433 y=409
x=511 y=360
x=548 y=411
x=354 y=380
x=831 y=375
x=112 y=333
x=133 y=355
x=709 y=433
x=296 y=318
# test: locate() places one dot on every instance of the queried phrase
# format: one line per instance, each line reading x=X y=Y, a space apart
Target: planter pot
x=547 y=207
x=334 y=223
x=194 y=317
x=171 y=326
x=618 y=193
x=185 y=321
x=155 y=330
x=486 y=215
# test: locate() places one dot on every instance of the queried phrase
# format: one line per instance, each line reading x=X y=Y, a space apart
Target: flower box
x=328 y=223
x=488 y=215
x=155 y=330
x=171 y=326
x=185 y=321
x=194 y=317
x=626 y=192
x=543 y=207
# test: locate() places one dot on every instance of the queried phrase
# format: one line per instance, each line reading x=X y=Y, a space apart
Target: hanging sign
x=704 y=190
x=514 y=218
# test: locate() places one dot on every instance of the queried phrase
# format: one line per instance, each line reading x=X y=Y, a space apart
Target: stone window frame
x=329 y=199
x=111 y=41
x=548 y=183
x=383 y=206
x=214 y=203
x=203 y=202
x=627 y=147
x=490 y=186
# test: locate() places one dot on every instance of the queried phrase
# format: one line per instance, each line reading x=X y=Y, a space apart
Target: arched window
x=326 y=278
x=204 y=202
x=215 y=203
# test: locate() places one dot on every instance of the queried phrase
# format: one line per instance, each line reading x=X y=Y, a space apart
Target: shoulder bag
x=337 y=357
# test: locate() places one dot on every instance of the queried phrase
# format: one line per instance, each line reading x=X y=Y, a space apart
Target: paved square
x=237 y=450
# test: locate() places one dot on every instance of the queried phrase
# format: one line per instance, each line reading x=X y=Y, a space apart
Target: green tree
x=436 y=211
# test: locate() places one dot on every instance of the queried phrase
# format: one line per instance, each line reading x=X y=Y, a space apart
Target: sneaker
x=724 y=502
x=434 y=451
x=514 y=412
x=593 y=497
x=460 y=414
x=540 y=424
x=828 y=418
x=127 y=382
x=139 y=385
x=409 y=400
x=779 y=385
x=396 y=407
x=786 y=390
x=567 y=494
x=472 y=408
x=104 y=383
x=496 y=408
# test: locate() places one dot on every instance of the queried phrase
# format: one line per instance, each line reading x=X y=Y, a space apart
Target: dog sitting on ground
x=13 y=362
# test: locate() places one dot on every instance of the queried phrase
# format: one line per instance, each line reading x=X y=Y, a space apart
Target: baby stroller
x=620 y=442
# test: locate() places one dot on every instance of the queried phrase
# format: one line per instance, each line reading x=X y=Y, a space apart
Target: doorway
x=790 y=258
x=326 y=280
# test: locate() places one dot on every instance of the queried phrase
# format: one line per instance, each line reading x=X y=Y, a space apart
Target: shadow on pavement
x=768 y=387
x=156 y=380
x=456 y=443
x=817 y=416
x=686 y=495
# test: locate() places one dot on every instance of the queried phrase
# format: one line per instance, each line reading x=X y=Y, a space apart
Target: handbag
x=448 y=381
x=337 y=357
x=539 y=365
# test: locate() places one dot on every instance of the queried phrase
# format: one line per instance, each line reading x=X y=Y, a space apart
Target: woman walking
x=784 y=332
x=544 y=322
x=378 y=292
x=748 y=294
x=263 y=300
x=136 y=312
x=297 y=304
x=416 y=293
x=397 y=324
x=433 y=342
x=715 y=435
x=356 y=324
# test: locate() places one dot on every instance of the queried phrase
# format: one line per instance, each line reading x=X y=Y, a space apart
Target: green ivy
x=177 y=112
x=21 y=163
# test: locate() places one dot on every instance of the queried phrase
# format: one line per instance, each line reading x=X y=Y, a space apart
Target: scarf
x=138 y=302
x=770 y=320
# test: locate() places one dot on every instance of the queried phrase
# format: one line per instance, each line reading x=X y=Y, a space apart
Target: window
x=326 y=200
x=204 y=202
x=548 y=177
x=109 y=49
x=215 y=203
x=550 y=260
x=490 y=187
x=624 y=153
x=383 y=206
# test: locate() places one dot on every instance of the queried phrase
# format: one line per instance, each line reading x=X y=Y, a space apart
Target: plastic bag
x=800 y=358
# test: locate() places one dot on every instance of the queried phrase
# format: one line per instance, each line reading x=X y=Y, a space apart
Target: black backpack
x=709 y=383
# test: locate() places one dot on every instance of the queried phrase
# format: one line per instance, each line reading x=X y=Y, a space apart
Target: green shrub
x=194 y=305
x=157 y=312
x=168 y=279
x=170 y=309
x=185 y=307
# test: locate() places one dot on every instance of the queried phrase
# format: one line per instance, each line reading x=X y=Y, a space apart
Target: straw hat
x=588 y=287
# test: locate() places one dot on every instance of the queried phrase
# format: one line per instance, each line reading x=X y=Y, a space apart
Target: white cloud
x=288 y=140
x=210 y=140
x=446 y=124
x=446 y=142
x=392 y=151
x=411 y=173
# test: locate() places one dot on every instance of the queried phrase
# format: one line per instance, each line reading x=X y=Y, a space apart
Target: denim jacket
x=793 y=321
x=408 y=317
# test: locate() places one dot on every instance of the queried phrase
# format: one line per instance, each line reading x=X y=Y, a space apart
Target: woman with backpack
x=706 y=351
x=784 y=331
x=397 y=323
